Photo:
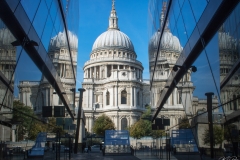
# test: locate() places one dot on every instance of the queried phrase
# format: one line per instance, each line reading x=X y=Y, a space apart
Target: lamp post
x=81 y=90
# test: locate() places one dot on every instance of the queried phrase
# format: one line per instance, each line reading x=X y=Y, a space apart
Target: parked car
x=95 y=148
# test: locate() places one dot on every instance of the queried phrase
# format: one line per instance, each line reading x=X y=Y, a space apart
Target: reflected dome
x=60 y=41
x=169 y=42
x=226 y=42
x=6 y=37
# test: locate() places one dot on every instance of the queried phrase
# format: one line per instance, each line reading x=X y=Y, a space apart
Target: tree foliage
x=52 y=128
x=103 y=123
x=143 y=127
x=140 y=129
x=228 y=129
x=184 y=123
x=27 y=126
x=218 y=136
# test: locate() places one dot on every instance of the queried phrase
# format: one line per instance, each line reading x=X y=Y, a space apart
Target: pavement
x=98 y=156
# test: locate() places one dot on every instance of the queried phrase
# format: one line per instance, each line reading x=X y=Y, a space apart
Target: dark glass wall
x=193 y=51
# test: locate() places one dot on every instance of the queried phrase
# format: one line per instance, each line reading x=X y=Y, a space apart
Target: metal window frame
x=16 y=26
x=214 y=15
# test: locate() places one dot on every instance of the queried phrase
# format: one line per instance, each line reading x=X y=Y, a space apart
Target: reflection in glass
x=7 y=67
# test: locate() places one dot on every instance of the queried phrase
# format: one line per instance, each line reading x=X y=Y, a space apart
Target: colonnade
x=104 y=71
x=134 y=97
x=110 y=53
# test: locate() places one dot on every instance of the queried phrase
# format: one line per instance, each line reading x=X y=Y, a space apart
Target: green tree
x=140 y=129
x=101 y=124
x=218 y=136
x=158 y=133
x=184 y=123
x=143 y=127
x=228 y=132
x=27 y=127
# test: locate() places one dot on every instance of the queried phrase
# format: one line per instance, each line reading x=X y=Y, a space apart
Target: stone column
x=90 y=69
x=118 y=128
x=131 y=95
x=135 y=96
x=87 y=97
x=100 y=72
x=91 y=124
x=90 y=97
x=115 y=121
x=175 y=96
x=116 y=95
x=13 y=133
x=87 y=124
x=95 y=74
x=64 y=70
x=106 y=71
x=112 y=96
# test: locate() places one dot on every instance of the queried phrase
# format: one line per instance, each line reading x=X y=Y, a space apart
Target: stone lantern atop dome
x=113 y=40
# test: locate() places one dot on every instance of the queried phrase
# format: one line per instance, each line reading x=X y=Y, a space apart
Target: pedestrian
x=83 y=147
x=89 y=149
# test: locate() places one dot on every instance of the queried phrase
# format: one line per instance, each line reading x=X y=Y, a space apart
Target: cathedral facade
x=113 y=79
x=114 y=84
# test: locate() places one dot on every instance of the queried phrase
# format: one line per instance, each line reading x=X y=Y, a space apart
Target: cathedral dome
x=169 y=42
x=113 y=38
x=60 y=41
x=6 y=37
x=226 y=42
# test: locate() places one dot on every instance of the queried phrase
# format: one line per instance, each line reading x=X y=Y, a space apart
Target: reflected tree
x=218 y=136
x=184 y=123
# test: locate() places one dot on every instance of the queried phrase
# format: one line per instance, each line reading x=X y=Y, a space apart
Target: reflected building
x=228 y=56
x=179 y=103
x=47 y=54
x=7 y=66
x=37 y=94
x=113 y=79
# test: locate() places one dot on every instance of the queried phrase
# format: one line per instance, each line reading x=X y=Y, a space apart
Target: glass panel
x=188 y=17
x=54 y=9
x=40 y=18
x=203 y=64
x=48 y=29
x=49 y=3
x=30 y=8
x=13 y=4
x=197 y=8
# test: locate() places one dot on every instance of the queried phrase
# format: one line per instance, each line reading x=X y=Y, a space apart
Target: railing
x=57 y=58
x=10 y=58
x=64 y=80
x=92 y=80
x=29 y=83
x=112 y=58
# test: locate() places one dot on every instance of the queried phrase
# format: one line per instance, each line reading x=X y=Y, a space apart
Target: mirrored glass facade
x=38 y=59
x=192 y=51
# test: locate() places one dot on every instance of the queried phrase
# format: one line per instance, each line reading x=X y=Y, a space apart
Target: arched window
x=107 y=98
x=123 y=123
x=123 y=97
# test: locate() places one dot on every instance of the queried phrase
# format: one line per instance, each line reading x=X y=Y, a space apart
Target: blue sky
x=132 y=20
